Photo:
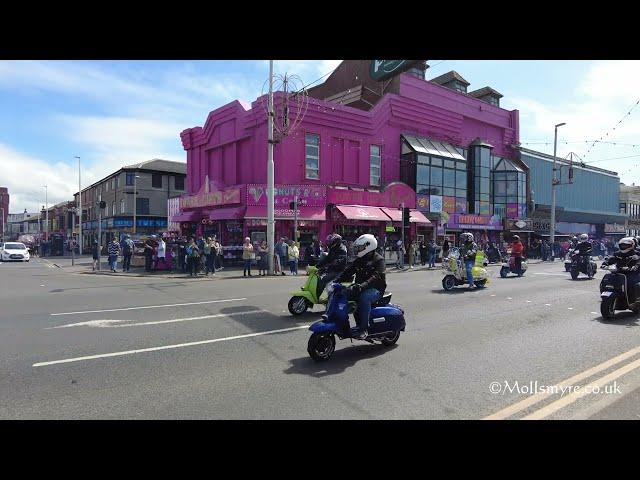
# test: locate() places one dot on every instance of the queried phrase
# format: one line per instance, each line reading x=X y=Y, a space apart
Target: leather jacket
x=369 y=271
x=335 y=260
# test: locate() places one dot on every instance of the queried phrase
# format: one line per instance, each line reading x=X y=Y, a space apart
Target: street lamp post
x=135 y=202
x=2 y=216
x=46 y=213
x=270 y=174
x=79 y=209
x=554 y=183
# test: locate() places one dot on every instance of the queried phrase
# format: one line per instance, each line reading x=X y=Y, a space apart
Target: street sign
x=380 y=70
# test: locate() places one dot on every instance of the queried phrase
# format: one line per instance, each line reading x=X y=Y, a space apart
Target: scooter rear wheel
x=321 y=346
x=504 y=271
x=297 y=305
x=390 y=339
x=574 y=274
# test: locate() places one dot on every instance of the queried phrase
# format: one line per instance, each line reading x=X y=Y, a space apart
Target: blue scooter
x=385 y=324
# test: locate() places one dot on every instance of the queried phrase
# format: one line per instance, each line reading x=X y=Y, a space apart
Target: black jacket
x=584 y=248
x=468 y=250
x=620 y=259
x=369 y=271
x=335 y=260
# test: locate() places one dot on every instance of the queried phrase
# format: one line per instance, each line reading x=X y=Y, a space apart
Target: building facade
x=587 y=199
x=427 y=145
x=4 y=210
x=630 y=205
x=23 y=224
x=151 y=183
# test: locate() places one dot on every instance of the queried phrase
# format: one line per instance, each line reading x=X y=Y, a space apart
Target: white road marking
x=509 y=298
x=572 y=381
x=168 y=347
x=570 y=308
x=149 y=306
x=578 y=394
x=528 y=301
x=42 y=285
x=132 y=323
x=493 y=294
x=595 y=313
x=556 y=274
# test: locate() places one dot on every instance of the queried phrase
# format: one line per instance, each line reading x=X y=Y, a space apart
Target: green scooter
x=307 y=296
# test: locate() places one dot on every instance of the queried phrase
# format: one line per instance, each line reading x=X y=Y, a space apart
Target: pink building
x=351 y=167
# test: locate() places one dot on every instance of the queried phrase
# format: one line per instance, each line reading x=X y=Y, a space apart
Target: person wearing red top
x=517 y=250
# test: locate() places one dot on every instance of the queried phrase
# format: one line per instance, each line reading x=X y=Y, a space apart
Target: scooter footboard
x=323 y=327
x=385 y=319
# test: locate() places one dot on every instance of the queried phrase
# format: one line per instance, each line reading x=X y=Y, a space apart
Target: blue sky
x=114 y=113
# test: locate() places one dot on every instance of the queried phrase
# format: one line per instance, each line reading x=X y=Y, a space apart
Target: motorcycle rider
x=626 y=256
x=370 y=283
x=517 y=250
x=468 y=250
x=331 y=264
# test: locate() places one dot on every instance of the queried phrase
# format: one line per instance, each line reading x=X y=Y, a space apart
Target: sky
x=116 y=113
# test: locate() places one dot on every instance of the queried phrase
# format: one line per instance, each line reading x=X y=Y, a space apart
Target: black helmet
x=516 y=237
x=334 y=240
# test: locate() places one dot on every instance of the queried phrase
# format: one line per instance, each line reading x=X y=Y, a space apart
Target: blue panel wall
x=591 y=191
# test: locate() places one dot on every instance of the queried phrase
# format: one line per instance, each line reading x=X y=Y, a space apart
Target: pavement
x=76 y=346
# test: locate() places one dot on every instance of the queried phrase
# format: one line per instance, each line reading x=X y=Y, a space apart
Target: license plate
x=606 y=294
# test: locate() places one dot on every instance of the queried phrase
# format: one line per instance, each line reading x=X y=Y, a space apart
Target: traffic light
x=102 y=204
x=406 y=216
x=293 y=206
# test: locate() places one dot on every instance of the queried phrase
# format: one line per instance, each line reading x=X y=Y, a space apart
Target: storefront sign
x=449 y=204
x=614 y=228
x=234 y=227
x=633 y=224
x=216 y=198
x=392 y=196
x=511 y=224
x=541 y=225
x=461 y=205
x=435 y=202
x=308 y=195
x=383 y=69
x=423 y=203
x=475 y=222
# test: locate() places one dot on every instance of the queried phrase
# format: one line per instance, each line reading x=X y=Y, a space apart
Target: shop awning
x=432 y=147
x=416 y=216
x=304 y=213
x=230 y=213
x=393 y=213
x=357 y=212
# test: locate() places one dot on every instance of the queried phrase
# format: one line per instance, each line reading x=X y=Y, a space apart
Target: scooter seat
x=384 y=300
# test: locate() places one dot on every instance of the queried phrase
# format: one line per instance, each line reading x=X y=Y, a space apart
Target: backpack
x=127 y=247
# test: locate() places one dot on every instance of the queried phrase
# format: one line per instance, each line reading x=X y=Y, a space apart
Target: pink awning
x=394 y=214
x=186 y=217
x=230 y=213
x=356 y=212
x=417 y=216
x=304 y=213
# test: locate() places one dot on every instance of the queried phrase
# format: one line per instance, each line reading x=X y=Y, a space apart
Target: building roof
x=449 y=76
x=484 y=91
x=159 y=165
x=564 y=160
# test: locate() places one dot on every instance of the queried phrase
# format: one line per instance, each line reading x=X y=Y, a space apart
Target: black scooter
x=617 y=293
x=582 y=264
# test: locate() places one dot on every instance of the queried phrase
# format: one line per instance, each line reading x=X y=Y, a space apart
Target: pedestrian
x=413 y=249
x=423 y=253
x=148 y=255
x=400 y=252
x=282 y=250
x=263 y=258
x=247 y=255
x=127 y=246
x=114 y=250
x=445 y=249
x=95 y=253
x=432 y=254
x=219 y=253
x=193 y=257
x=294 y=255
x=209 y=249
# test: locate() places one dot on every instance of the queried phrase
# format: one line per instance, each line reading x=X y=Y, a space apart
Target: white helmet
x=365 y=244
x=584 y=237
x=627 y=244
x=466 y=237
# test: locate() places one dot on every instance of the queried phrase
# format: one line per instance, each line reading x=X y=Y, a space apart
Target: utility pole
x=46 y=214
x=554 y=182
x=135 y=201
x=295 y=219
x=270 y=174
x=79 y=208
x=99 y=229
x=402 y=252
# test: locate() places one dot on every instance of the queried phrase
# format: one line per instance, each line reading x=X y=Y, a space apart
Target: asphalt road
x=76 y=346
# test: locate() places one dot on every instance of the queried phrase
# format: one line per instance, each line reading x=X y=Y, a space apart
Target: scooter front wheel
x=297 y=305
x=608 y=307
x=448 y=282
x=504 y=271
x=321 y=346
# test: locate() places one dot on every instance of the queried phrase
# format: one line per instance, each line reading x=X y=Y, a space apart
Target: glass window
x=449 y=164
x=142 y=206
x=122 y=206
x=424 y=159
x=179 y=183
x=512 y=188
x=485 y=157
x=113 y=208
x=449 y=192
x=156 y=180
x=436 y=176
x=436 y=161
x=484 y=185
x=422 y=174
x=423 y=189
x=130 y=179
x=375 y=165
x=461 y=165
x=461 y=193
x=449 y=178
x=106 y=186
x=435 y=190
x=117 y=180
x=461 y=179
x=312 y=156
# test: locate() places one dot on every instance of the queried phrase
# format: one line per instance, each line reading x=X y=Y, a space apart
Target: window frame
x=372 y=166
x=307 y=169
x=155 y=176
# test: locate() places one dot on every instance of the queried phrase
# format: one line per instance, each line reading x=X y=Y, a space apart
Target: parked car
x=14 y=252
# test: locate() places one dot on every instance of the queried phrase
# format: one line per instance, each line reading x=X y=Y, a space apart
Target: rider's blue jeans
x=367 y=297
x=469 y=266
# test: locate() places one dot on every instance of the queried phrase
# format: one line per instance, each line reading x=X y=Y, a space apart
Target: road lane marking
x=149 y=306
x=538 y=397
x=578 y=394
x=132 y=323
x=556 y=274
x=168 y=347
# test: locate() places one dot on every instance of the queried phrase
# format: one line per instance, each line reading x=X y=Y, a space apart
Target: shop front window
x=443 y=177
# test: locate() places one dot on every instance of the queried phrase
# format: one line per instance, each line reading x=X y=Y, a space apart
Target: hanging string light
x=616 y=125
